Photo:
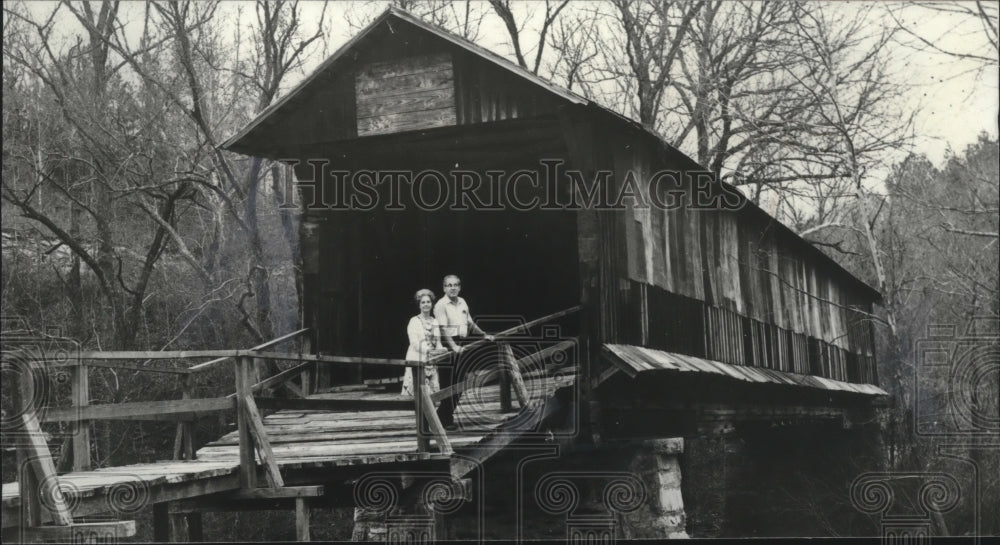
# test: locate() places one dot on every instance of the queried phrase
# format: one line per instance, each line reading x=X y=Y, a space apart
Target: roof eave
x=231 y=142
x=404 y=16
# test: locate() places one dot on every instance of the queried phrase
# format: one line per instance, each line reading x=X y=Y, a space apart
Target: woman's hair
x=422 y=293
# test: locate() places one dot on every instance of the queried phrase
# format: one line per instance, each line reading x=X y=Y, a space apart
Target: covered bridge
x=715 y=291
x=664 y=304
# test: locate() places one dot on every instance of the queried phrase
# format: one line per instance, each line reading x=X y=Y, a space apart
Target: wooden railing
x=248 y=399
x=510 y=374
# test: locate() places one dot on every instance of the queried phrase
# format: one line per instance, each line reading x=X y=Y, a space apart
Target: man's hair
x=445 y=281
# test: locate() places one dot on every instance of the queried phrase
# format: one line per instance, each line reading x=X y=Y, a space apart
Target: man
x=452 y=313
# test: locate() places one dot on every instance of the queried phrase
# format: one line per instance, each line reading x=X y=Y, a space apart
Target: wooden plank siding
x=485 y=93
x=405 y=94
x=736 y=287
x=396 y=79
x=327 y=114
x=727 y=286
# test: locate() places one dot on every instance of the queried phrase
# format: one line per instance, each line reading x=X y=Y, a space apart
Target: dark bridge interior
x=513 y=264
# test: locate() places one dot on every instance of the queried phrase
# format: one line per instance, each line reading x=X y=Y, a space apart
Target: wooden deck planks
x=311 y=439
x=140 y=477
x=320 y=435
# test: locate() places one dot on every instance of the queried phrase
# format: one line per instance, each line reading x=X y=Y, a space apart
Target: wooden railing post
x=44 y=482
x=255 y=423
x=513 y=373
x=184 y=438
x=244 y=384
x=302 y=520
x=504 y=379
x=306 y=381
x=31 y=505
x=188 y=426
x=423 y=442
x=589 y=348
x=259 y=372
x=81 y=428
x=430 y=415
x=308 y=376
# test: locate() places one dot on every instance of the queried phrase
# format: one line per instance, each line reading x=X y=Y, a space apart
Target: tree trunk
x=289 y=229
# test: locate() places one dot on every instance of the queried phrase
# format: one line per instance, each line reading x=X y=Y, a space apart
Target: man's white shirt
x=454 y=317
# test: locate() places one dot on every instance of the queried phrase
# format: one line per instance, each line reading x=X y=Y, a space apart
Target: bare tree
x=856 y=117
x=733 y=85
x=125 y=168
x=279 y=47
x=973 y=36
x=640 y=49
x=854 y=122
x=106 y=156
x=515 y=30
x=574 y=43
x=464 y=18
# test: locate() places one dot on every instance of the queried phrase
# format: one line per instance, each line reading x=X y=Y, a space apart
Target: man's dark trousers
x=455 y=374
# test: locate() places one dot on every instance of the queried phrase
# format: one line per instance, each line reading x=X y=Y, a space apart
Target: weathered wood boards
x=262 y=444
x=405 y=94
x=763 y=296
x=173 y=409
x=298 y=439
x=296 y=434
x=430 y=416
x=40 y=464
x=127 y=488
x=85 y=532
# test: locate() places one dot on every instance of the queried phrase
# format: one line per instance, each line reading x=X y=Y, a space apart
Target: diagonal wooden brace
x=431 y=416
x=40 y=462
x=261 y=443
x=510 y=363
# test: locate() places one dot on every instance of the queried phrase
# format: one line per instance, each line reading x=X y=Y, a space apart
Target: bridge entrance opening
x=513 y=264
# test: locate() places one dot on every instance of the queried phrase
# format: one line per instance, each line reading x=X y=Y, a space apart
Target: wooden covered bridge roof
x=257 y=137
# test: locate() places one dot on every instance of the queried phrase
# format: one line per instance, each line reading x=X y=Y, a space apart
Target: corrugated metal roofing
x=638 y=359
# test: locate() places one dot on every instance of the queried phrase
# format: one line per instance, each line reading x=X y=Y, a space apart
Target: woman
x=425 y=342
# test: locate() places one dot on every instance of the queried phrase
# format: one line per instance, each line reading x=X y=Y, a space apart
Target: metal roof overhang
x=636 y=360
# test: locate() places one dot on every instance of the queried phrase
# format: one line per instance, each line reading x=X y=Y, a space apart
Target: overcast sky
x=955 y=101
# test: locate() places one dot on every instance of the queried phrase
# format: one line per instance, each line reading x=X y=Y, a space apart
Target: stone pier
x=416 y=524
x=623 y=491
x=655 y=462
